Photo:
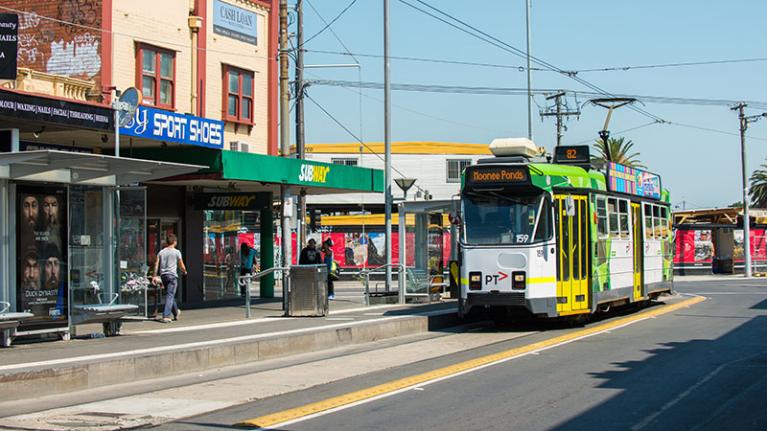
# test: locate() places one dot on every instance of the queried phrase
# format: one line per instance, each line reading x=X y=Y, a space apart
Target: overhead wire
x=522 y=68
x=355 y=137
x=519 y=52
x=328 y=24
x=515 y=91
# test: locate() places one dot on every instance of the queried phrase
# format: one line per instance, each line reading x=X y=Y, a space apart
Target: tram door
x=572 y=253
x=636 y=216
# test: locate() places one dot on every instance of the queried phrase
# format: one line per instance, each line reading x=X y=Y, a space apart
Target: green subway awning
x=250 y=171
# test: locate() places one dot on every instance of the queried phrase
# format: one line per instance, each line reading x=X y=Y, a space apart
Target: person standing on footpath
x=247 y=257
x=327 y=248
x=168 y=262
x=310 y=255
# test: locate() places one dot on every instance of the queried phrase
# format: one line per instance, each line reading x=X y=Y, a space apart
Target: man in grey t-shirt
x=166 y=267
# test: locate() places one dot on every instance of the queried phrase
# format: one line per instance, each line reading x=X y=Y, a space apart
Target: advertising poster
x=685 y=247
x=758 y=246
x=41 y=250
x=704 y=247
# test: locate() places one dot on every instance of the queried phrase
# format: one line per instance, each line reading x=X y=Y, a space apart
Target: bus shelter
x=422 y=267
x=60 y=224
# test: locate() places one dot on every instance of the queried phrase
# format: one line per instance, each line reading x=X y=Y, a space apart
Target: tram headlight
x=518 y=280
x=475 y=280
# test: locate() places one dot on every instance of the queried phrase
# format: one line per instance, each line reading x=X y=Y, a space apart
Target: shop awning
x=258 y=172
x=86 y=169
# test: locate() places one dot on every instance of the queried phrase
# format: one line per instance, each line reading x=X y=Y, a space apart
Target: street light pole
x=387 y=146
x=528 y=8
x=285 y=195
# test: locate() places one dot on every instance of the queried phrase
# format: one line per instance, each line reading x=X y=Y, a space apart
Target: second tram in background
x=563 y=238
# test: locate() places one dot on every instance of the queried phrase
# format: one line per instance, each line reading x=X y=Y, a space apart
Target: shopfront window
x=224 y=233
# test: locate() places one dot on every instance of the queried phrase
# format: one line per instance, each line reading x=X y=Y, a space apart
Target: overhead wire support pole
x=285 y=196
x=559 y=114
x=528 y=10
x=744 y=121
x=300 y=131
x=387 y=147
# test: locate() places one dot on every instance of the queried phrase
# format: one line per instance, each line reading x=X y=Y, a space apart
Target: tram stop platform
x=203 y=340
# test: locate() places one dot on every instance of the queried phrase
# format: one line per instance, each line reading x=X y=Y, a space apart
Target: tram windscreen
x=495 y=218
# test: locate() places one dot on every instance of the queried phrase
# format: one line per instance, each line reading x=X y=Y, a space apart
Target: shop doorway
x=158 y=230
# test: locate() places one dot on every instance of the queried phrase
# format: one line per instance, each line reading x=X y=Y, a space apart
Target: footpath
x=204 y=340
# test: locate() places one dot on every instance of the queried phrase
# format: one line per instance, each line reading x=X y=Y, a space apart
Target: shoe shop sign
x=9 y=44
x=169 y=126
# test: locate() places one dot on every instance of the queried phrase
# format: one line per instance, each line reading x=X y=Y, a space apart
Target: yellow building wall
x=225 y=50
x=164 y=23
x=161 y=23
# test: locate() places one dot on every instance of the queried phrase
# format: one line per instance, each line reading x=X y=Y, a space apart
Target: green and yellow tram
x=563 y=238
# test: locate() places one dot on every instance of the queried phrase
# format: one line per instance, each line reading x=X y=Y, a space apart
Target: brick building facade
x=179 y=53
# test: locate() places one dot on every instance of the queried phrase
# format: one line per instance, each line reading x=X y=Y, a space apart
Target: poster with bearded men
x=41 y=252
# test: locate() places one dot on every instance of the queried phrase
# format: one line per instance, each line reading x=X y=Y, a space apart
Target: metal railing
x=245 y=280
x=365 y=275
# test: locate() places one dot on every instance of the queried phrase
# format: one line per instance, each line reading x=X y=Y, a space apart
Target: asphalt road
x=698 y=368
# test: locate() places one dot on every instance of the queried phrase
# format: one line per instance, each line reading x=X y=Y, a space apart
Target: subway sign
x=313 y=174
x=229 y=201
x=478 y=175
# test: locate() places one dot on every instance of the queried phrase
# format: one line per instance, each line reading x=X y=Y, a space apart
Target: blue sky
x=699 y=167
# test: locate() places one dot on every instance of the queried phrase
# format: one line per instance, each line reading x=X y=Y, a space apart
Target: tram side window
x=612 y=212
x=664 y=222
x=601 y=217
x=648 y=228
x=656 y=221
x=623 y=209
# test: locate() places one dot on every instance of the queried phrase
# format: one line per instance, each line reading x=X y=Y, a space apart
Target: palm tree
x=758 y=189
x=619 y=151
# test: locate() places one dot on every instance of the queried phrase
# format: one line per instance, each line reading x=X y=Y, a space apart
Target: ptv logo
x=496 y=278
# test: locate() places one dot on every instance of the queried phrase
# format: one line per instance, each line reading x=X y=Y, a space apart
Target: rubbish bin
x=308 y=294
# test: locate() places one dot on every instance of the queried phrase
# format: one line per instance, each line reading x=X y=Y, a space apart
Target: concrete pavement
x=203 y=340
x=698 y=368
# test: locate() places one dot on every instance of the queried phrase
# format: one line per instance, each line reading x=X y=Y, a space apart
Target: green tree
x=620 y=151
x=758 y=190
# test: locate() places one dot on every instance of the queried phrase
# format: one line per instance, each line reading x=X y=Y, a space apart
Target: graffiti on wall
x=61 y=38
x=77 y=57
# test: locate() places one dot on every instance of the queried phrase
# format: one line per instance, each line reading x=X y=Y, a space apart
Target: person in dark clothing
x=310 y=255
x=247 y=258
x=327 y=248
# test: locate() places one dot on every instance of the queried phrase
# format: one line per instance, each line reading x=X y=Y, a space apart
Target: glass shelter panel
x=132 y=267
x=87 y=248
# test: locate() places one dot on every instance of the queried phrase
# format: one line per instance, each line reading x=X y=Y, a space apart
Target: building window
x=238 y=97
x=156 y=78
x=344 y=161
x=455 y=168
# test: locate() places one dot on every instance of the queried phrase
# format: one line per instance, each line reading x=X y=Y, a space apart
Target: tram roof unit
x=571 y=168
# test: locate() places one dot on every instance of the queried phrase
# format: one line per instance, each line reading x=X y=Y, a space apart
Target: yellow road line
x=296 y=413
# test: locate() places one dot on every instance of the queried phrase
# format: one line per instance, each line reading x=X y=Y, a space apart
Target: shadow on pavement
x=695 y=385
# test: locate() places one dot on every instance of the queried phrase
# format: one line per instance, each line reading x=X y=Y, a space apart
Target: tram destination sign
x=573 y=155
x=633 y=181
x=498 y=175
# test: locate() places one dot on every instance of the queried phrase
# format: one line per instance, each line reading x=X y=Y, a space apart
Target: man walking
x=168 y=261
